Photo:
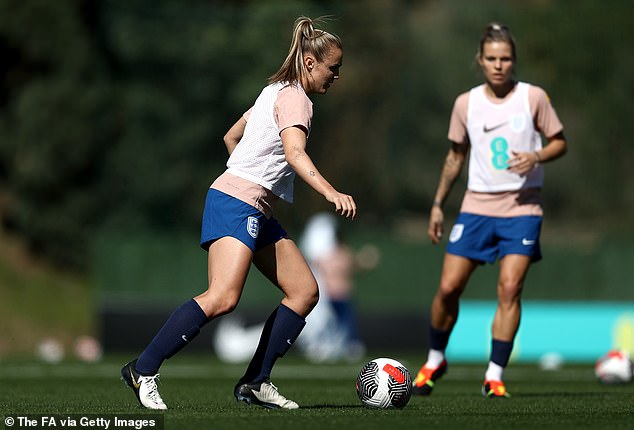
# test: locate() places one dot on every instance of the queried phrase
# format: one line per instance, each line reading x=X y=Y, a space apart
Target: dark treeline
x=112 y=112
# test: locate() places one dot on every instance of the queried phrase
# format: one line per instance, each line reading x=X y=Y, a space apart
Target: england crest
x=456 y=233
x=518 y=122
x=253 y=227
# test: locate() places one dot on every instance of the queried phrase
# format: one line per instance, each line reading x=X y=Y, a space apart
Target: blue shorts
x=227 y=216
x=486 y=238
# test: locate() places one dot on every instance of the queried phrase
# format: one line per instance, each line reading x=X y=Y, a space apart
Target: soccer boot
x=495 y=390
x=426 y=378
x=263 y=394
x=144 y=387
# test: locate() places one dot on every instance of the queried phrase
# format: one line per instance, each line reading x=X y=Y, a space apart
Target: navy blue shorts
x=486 y=238
x=227 y=216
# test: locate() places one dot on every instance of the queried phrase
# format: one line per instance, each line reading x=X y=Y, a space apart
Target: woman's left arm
x=555 y=148
x=524 y=162
x=294 y=141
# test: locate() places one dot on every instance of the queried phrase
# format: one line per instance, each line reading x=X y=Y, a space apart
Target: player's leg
x=444 y=313
x=513 y=270
x=228 y=265
x=283 y=264
x=229 y=233
x=455 y=275
x=518 y=246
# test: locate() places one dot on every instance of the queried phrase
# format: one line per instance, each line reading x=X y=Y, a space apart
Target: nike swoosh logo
x=184 y=338
x=289 y=341
x=135 y=384
x=528 y=242
x=495 y=127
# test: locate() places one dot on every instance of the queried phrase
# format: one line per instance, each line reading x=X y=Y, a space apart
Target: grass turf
x=199 y=393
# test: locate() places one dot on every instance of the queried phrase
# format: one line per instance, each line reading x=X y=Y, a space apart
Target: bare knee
x=449 y=292
x=310 y=297
x=509 y=291
x=303 y=300
x=215 y=305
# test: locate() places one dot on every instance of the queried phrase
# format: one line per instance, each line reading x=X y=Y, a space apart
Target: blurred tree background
x=112 y=112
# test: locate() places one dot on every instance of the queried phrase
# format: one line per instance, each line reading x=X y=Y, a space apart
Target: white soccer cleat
x=148 y=393
x=144 y=387
x=264 y=394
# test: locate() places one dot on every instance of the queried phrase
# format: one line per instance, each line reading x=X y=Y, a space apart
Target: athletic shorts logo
x=527 y=242
x=456 y=233
x=253 y=227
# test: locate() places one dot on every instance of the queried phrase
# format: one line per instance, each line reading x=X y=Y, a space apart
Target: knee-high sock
x=182 y=326
x=438 y=339
x=501 y=352
x=279 y=333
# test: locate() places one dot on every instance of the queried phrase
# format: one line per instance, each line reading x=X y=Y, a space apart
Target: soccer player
x=267 y=148
x=498 y=125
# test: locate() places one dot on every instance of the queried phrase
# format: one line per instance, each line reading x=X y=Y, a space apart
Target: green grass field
x=199 y=393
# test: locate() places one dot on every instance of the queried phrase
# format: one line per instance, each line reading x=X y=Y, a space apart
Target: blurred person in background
x=332 y=331
x=498 y=125
x=267 y=148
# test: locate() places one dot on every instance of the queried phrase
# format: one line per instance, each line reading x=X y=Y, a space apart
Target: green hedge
x=169 y=269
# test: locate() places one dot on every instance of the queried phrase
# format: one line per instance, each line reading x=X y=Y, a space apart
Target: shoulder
x=462 y=101
x=293 y=92
x=463 y=98
x=458 y=121
x=293 y=97
x=535 y=89
x=537 y=95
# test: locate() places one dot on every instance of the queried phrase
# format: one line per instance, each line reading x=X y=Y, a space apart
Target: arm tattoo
x=450 y=172
x=311 y=173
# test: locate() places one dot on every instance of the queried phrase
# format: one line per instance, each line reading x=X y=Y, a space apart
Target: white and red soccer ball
x=614 y=367
x=384 y=383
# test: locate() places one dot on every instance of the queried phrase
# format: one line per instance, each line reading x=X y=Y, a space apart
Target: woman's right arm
x=451 y=170
x=234 y=134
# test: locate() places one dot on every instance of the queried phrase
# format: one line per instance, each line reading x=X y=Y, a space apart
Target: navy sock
x=280 y=331
x=438 y=339
x=182 y=326
x=501 y=352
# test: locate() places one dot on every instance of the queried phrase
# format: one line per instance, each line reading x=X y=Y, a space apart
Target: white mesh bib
x=259 y=157
x=495 y=130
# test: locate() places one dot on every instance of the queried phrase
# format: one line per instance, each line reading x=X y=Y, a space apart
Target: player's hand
x=522 y=162
x=344 y=204
x=436 y=220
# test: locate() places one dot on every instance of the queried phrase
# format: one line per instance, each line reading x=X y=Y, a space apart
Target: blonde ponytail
x=306 y=40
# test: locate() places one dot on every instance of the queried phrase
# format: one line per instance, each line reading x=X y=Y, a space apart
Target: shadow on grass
x=333 y=407
x=568 y=394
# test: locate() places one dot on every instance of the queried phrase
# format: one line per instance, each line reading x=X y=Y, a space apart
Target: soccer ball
x=615 y=367
x=384 y=383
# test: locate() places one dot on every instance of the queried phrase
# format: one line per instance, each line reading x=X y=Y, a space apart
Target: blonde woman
x=267 y=148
